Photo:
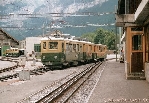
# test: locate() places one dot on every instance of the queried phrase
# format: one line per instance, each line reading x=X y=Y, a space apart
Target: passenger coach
x=62 y=52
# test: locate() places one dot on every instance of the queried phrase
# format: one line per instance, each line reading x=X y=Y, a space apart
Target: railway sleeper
x=15 y=75
x=10 y=77
x=46 y=69
x=41 y=71
x=2 y=78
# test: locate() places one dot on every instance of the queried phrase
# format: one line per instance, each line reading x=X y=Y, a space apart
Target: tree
x=101 y=36
x=89 y=36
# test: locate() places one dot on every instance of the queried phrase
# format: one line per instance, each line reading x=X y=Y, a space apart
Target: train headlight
x=50 y=63
x=62 y=59
x=43 y=57
x=55 y=57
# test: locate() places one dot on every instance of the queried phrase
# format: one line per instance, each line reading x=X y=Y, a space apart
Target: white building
x=28 y=43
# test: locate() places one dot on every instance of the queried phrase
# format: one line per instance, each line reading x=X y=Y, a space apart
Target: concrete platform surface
x=114 y=88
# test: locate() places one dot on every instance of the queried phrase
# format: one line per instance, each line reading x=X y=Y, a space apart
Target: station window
x=137 y=29
x=53 y=45
x=44 y=45
x=137 y=42
x=37 y=48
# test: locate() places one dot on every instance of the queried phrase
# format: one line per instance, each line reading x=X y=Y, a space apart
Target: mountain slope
x=33 y=26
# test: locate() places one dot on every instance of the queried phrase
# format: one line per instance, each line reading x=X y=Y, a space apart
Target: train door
x=137 y=48
x=137 y=53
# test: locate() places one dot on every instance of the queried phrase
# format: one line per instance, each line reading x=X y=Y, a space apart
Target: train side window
x=44 y=45
x=94 y=48
x=78 y=49
x=62 y=47
x=90 y=48
x=81 y=48
x=100 y=49
x=137 y=42
x=70 y=47
x=67 y=47
x=74 y=47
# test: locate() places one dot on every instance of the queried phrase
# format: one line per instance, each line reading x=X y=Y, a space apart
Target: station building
x=133 y=18
x=31 y=44
x=7 y=41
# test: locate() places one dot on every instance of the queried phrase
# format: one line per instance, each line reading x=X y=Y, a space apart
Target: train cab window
x=137 y=42
x=44 y=45
x=53 y=45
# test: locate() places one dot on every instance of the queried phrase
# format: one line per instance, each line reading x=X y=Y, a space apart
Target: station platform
x=113 y=87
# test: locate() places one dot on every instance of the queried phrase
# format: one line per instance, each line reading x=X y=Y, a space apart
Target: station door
x=137 y=53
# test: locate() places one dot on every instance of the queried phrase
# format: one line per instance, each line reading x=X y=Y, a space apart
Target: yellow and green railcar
x=14 y=52
x=61 y=52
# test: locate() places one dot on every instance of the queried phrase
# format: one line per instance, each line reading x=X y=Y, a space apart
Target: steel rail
x=58 y=92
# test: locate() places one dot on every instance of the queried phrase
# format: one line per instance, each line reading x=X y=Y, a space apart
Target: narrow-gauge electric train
x=61 y=52
x=14 y=52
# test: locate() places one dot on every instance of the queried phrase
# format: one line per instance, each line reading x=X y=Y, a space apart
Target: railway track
x=8 y=69
x=38 y=71
x=63 y=92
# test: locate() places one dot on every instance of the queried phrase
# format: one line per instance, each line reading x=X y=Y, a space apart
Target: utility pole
x=116 y=33
x=43 y=30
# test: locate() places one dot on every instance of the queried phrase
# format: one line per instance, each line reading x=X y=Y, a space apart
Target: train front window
x=53 y=45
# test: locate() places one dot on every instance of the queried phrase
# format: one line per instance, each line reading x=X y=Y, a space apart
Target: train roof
x=52 y=38
x=67 y=37
x=13 y=48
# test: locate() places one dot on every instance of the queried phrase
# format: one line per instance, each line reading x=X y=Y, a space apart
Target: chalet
x=7 y=41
